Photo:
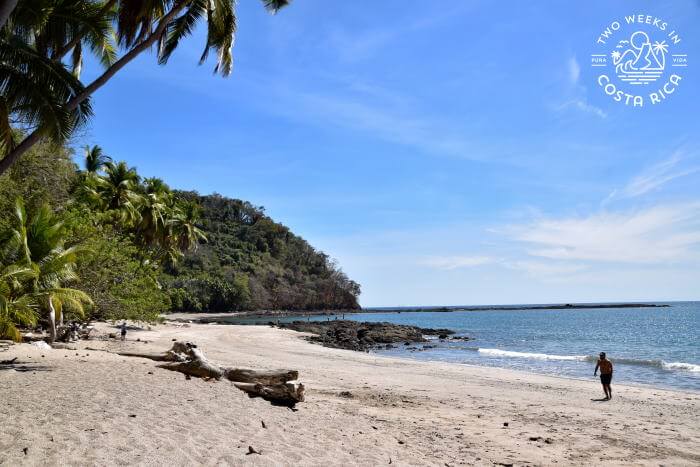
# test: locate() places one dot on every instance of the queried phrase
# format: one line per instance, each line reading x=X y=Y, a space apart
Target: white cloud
x=396 y=126
x=574 y=70
x=575 y=93
x=661 y=234
x=545 y=269
x=583 y=106
x=653 y=178
x=448 y=263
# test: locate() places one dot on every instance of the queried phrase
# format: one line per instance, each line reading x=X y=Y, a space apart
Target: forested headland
x=103 y=242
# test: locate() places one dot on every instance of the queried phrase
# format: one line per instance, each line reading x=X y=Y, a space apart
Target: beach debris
x=262 y=422
x=548 y=440
x=535 y=438
x=251 y=450
x=62 y=346
x=132 y=415
x=25 y=451
x=402 y=442
x=279 y=387
x=8 y=362
x=505 y=424
x=346 y=394
x=41 y=345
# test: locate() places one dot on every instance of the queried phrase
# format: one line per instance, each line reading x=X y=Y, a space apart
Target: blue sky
x=443 y=152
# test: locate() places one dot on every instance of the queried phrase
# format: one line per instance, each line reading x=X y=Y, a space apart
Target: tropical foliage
x=115 y=245
x=252 y=262
x=42 y=46
x=36 y=269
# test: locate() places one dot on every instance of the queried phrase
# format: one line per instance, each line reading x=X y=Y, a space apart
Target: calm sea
x=651 y=346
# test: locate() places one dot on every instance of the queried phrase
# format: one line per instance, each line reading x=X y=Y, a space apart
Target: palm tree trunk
x=20 y=149
x=60 y=53
x=6 y=8
x=72 y=104
x=52 y=322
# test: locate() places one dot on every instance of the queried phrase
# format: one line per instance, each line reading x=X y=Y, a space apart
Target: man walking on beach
x=606 y=372
x=123 y=327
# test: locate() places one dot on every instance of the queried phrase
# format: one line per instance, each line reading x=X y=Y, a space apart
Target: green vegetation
x=41 y=52
x=139 y=247
x=252 y=262
x=105 y=243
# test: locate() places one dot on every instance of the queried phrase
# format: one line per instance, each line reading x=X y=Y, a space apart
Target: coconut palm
x=153 y=212
x=184 y=226
x=139 y=26
x=154 y=185
x=39 y=267
x=95 y=159
x=35 y=84
x=16 y=306
x=118 y=191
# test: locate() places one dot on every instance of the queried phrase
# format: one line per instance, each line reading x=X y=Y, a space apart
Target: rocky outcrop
x=362 y=336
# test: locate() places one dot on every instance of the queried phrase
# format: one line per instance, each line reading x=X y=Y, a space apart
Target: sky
x=445 y=153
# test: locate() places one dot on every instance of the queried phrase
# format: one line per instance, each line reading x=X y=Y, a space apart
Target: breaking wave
x=682 y=366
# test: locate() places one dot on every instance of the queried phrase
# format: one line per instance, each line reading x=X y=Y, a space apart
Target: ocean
x=649 y=346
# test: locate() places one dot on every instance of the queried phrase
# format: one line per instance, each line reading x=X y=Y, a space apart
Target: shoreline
x=361 y=409
x=210 y=317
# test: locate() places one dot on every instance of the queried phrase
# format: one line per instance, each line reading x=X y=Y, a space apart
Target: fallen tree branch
x=187 y=358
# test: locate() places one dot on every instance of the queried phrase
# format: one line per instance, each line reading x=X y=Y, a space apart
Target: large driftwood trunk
x=274 y=386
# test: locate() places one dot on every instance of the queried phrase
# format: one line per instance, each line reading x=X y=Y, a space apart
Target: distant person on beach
x=606 y=372
x=123 y=327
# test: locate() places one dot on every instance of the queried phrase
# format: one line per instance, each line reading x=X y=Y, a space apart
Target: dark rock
x=346 y=394
x=437 y=332
x=505 y=424
x=354 y=335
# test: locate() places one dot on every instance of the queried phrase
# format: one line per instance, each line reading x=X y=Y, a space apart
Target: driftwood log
x=275 y=386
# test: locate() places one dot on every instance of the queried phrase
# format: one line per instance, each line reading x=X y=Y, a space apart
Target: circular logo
x=639 y=60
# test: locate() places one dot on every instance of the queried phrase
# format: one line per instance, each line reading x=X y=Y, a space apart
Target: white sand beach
x=88 y=407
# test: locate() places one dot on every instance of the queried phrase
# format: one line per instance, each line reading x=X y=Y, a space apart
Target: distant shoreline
x=566 y=306
x=216 y=317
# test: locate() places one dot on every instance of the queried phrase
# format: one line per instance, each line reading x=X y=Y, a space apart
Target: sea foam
x=671 y=366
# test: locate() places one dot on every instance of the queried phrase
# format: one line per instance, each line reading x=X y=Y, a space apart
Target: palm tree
x=139 y=24
x=154 y=185
x=118 y=190
x=95 y=159
x=38 y=268
x=36 y=85
x=184 y=226
x=16 y=306
x=154 y=212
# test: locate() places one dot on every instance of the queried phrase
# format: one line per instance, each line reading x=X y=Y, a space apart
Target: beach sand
x=88 y=407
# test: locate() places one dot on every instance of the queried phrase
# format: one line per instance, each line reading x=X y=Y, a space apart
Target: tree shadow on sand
x=20 y=366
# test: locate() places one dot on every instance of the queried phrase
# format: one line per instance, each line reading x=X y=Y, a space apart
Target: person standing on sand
x=606 y=372
x=123 y=326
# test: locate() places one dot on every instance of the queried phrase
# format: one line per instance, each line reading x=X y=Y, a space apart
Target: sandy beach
x=93 y=407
